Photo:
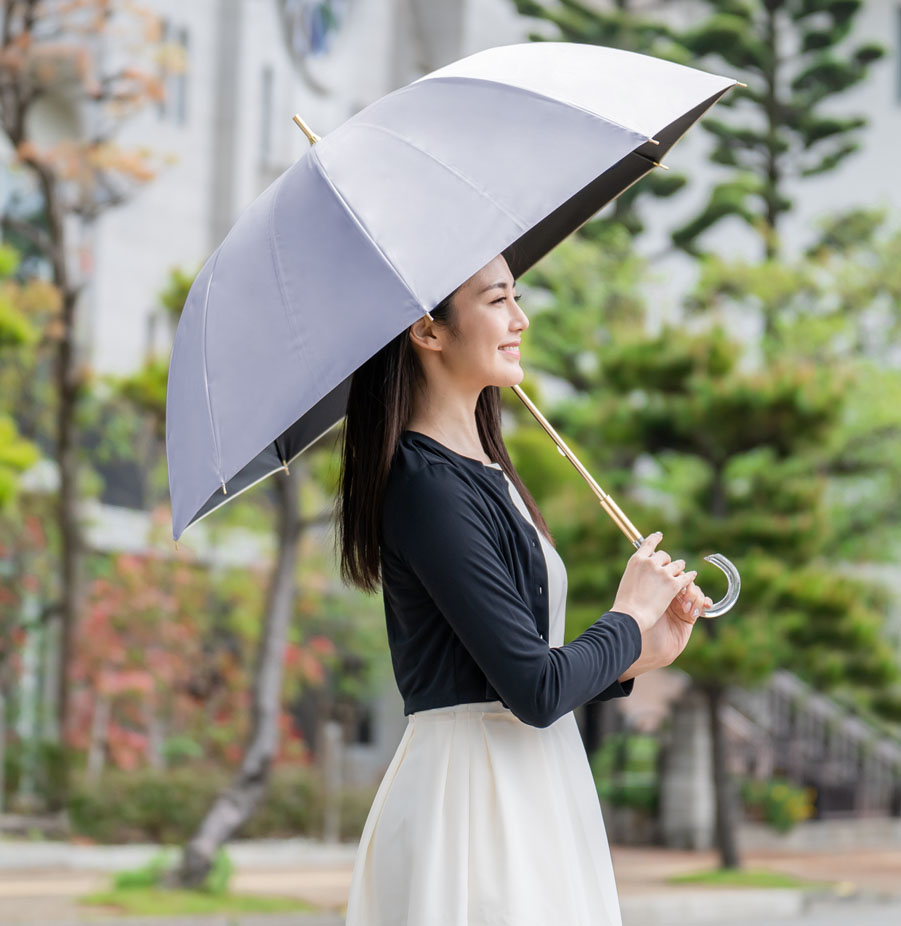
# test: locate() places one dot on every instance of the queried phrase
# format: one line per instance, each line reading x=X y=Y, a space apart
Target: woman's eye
x=516 y=297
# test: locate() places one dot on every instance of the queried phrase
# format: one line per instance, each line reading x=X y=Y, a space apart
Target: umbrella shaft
x=607 y=503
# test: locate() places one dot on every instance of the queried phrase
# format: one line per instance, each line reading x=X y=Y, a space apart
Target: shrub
x=625 y=771
x=147 y=805
x=777 y=802
x=167 y=806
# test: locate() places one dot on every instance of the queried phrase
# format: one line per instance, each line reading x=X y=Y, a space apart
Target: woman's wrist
x=634 y=611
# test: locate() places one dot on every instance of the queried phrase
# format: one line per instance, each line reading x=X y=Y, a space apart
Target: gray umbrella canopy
x=506 y=151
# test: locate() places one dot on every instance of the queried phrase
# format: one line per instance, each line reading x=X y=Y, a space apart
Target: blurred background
x=720 y=346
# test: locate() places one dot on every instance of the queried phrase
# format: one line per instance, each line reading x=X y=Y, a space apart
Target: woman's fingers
x=661 y=557
x=685 y=580
x=648 y=545
x=694 y=600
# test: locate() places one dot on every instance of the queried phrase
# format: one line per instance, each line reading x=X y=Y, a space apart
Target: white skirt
x=483 y=820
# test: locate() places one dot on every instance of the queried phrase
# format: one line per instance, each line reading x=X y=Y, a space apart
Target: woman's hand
x=669 y=636
x=662 y=643
x=650 y=583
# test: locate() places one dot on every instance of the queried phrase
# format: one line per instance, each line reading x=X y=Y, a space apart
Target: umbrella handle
x=624 y=524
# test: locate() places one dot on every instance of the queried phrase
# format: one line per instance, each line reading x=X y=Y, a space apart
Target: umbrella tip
x=312 y=137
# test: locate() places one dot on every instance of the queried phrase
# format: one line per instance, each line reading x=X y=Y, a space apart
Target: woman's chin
x=511 y=377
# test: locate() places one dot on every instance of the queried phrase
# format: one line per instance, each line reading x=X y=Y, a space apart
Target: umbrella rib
x=206 y=377
x=313 y=153
x=241 y=491
x=521 y=223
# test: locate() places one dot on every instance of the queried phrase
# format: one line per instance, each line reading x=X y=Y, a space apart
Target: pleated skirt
x=483 y=820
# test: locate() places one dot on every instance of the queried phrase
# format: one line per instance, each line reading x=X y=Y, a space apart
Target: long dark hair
x=379 y=406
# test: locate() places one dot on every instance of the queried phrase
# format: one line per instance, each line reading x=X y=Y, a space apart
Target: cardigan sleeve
x=446 y=538
x=617 y=690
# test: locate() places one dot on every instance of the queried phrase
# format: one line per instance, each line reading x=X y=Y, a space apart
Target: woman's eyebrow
x=500 y=285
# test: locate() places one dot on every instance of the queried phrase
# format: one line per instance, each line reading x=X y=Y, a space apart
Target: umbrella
x=506 y=151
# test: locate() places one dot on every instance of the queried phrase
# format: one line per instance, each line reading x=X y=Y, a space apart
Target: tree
x=16 y=455
x=788 y=52
x=146 y=391
x=92 y=57
x=735 y=458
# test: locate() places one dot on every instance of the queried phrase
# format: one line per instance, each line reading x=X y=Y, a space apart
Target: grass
x=155 y=901
x=745 y=877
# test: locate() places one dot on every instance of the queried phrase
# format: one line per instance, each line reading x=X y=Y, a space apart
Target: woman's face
x=483 y=350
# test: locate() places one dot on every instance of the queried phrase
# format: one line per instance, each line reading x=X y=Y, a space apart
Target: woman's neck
x=460 y=436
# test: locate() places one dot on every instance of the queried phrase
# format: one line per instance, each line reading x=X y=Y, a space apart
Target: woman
x=487 y=814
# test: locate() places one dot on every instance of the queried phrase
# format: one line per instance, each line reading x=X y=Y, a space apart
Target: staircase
x=787 y=729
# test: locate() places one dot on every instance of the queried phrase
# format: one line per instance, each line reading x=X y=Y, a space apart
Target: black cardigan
x=464 y=580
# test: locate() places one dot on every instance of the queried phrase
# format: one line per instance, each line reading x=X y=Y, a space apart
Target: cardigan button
x=540 y=590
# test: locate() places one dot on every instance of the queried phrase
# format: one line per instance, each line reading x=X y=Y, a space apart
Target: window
x=266 y=104
x=898 y=53
x=174 y=105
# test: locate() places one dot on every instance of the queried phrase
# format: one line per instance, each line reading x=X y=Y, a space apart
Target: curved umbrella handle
x=624 y=524
x=732 y=589
x=733 y=580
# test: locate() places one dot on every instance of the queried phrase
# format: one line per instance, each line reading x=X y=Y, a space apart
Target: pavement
x=41 y=882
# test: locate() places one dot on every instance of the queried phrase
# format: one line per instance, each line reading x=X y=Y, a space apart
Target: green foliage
x=157 y=902
x=777 y=802
x=175 y=292
x=149 y=875
x=16 y=332
x=693 y=435
x=166 y=807
x=15 y=328
x=147 y=805
x=146 y=389
x=744 y=877
x=16 y=455
x=220 y=873
x=9 y=261
x=625 y=771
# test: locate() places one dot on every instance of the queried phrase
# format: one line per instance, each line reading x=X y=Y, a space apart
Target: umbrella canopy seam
x=359 y=223
x=520 y=223
x=300 y=348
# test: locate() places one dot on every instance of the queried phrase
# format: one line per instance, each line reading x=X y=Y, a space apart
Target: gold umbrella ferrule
x=312 y=137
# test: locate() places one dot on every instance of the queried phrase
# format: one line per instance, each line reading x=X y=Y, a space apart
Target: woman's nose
x=521 y=320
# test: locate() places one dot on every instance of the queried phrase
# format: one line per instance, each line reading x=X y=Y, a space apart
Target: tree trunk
x=332 y=774
x=70 y=529
x=99 y=737
x=725 y=805
x=236 y=803
x=2 y=750
x=66 y=381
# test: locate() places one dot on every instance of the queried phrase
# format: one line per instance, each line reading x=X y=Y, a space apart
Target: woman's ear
x=423 y=333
